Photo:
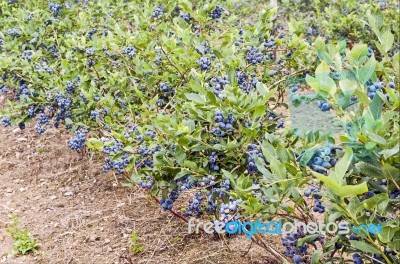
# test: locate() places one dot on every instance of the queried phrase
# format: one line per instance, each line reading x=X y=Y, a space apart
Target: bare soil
x=81 y=215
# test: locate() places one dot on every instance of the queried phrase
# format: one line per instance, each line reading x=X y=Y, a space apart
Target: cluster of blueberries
x=373 y=87
x=241 y=38
x=299 y=254
x=309 y=32
x=370 y=52
x=280 y=121
x=211 y=204
x=167 y=203
x=229 y=211
x=3 y=89
x=130 y=51
x=254 y=56
x=147 y=183
x=27 y=55
x=5 y=121
x=225 y=126
x=246 y=83
x=95 y=114
x=158 y=58
x=72 y=85
x=146 y=155
x=14 y=32
x=218 y=84
x=323 y=159
x=218 y=190
x=216 y=14
x=90 y=51
x=43 y=67
x=78 y=141
x=194 y=207
x=213 y=162
x=252 y=152
x=357 y=259
x=318 y=205
x=117 y=165
x=157 y=12
x=185 y=16
x=55 y=9
x=270 y=43
x=43 y=120
x=62 y=106
x=166 y=92
x=208 y=181
x=91 y=32
x=204 y=63
x=186 y=183
x=110 y=149
x=324 y=106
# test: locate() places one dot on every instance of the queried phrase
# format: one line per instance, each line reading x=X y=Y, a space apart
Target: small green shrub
x=135 y=246
x=23 y=242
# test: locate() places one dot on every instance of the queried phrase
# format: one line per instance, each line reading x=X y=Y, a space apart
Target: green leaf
x=362 y=96
x=261 y=88
x=323 y=55
x=348 y=87
x=342 y=190
x=307 y=239
x=343 y=164
x=190 y=164
x=183 y=141
x=319 y=43
x=357 y=52
x=387 y=40
x=267 y=175
x=94 y=143
x=315 y=259
x=391 y=172
x=370 y=203
x=376 y=138
x=364 y=247
x=323 y=68
x=306 y=156
x=375 y=107
x=396 y=62
x=326 y=84
x=387 y=153
x=278 y=168
x=365 y=72
x=394 y=245
x=388 y=233
x=181 y=174
x=313 y=82
x=195 y=98
x=259 y=111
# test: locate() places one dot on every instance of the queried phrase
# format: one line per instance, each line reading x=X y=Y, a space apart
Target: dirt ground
x=81 y=215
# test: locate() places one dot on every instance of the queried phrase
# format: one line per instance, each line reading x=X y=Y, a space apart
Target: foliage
x=135 y=246
x=22 y=241
x=185 y=97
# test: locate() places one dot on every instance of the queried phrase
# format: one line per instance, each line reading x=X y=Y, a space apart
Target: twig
x=175 y=214
x=248 y=250
x=172 y=64
x=284 y=79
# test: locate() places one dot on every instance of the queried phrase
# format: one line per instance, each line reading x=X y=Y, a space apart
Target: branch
x=173 y=65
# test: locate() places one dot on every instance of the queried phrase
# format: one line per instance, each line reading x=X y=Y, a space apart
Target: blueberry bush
x=186 y=99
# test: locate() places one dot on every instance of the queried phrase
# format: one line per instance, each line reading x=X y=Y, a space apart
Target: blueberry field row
x=185 y=99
